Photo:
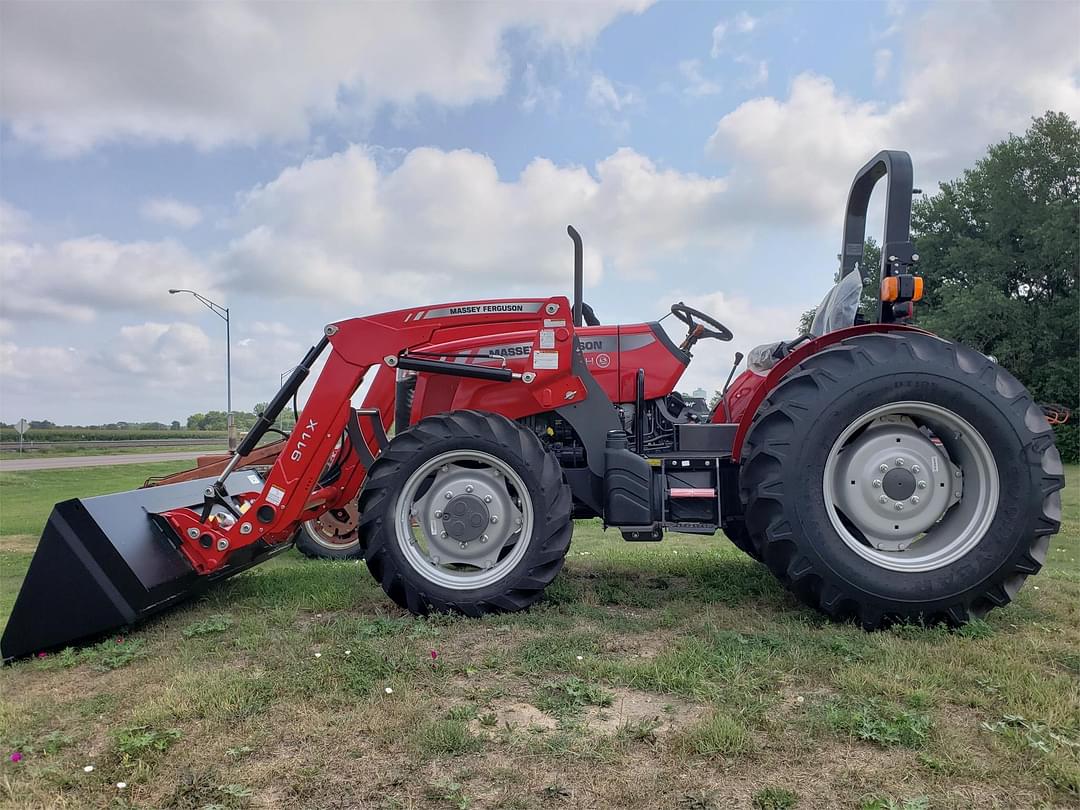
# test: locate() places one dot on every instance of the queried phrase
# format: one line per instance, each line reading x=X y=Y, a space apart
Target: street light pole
x=223 y=313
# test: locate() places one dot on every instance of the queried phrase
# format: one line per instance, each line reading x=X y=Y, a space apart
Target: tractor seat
x=837 y=310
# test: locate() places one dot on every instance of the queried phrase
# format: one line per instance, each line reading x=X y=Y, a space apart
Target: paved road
x=69 y=462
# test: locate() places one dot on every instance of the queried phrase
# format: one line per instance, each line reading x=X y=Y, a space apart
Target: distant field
x=93 y=434
x=63 y=451
x=671 y=675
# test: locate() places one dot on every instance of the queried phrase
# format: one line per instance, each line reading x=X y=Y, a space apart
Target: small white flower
x=88 y=768
x=581 y=658
x=1036 y=587
x=318 y=655
x=318 y=615
x=800 y=699
x=121 y=785
x=348 y=652
x=388 y=690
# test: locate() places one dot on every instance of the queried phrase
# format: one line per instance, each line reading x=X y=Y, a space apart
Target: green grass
x=669 y=675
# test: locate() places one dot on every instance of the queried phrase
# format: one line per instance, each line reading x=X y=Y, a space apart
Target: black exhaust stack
x=104 y=563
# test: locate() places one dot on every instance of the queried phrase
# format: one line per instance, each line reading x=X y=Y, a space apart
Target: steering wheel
x=696 y=331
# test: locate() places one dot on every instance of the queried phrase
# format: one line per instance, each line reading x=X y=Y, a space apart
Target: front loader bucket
x=103 y=563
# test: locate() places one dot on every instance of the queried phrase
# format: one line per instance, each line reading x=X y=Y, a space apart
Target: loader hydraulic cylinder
x=281 y=399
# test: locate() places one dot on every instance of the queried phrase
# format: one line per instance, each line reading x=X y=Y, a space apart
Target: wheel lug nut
x=438 y=513
x=487 y=499
x=448 y=495
x=899 y=507
x=899 y=462
x=463 y=545
x=494 y=518
x=914 y=498
x=877 y=483
x=468 y=488
x=922 y=485
x=883 y=499
x=483 y=538
x=915 y=468
x=956 y=474
x=884 y=468
x=442 y=534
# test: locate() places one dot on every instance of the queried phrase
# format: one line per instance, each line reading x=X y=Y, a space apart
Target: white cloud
x=741 y=23
x=882 y=64
x=77 y=74
x=78 y=278
x=603 y=95
x=718 y=33
x=177 y=368
x=795 y=157
x=169 y=211
x=537 y=93
x=745 y=23
x=444 y=224
x=696 y=84
x=14 y=222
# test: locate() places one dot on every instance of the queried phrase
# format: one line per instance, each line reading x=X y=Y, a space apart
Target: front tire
x=831 y=509
x=465 y=512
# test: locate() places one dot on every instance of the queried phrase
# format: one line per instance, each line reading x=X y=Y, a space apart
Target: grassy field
x=675 y=675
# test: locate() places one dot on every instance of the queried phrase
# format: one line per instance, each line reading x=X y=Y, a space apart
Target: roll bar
x=897 y=251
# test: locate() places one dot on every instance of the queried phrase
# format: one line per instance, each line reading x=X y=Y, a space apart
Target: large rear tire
x=900 y=477
x=465 y=512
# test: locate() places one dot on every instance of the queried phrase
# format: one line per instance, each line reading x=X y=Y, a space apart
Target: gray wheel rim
x=911 y=486
x=464 y=519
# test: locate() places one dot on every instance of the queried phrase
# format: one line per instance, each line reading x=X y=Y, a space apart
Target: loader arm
x=292 y=492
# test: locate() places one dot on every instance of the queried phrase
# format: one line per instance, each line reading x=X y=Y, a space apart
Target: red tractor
x=880 y=472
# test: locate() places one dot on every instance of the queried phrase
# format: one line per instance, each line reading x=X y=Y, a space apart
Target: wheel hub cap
x=465 y=518
x=899 y=484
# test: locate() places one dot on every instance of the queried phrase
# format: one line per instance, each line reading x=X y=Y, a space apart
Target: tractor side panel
x=613 y=354
x=646 y=346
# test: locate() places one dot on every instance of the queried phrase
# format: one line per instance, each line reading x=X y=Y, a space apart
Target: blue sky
x=307 y=162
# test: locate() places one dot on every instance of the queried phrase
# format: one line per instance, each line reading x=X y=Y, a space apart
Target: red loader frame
x=293 y=492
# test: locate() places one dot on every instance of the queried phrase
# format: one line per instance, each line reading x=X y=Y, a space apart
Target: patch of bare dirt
x=515 y=716
x=643 y=645
x=19 y=543
x=660 y=714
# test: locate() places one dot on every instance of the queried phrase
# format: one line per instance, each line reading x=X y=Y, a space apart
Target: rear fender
x=749 y=390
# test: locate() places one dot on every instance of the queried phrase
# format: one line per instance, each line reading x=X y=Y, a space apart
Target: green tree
x=999 y=253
